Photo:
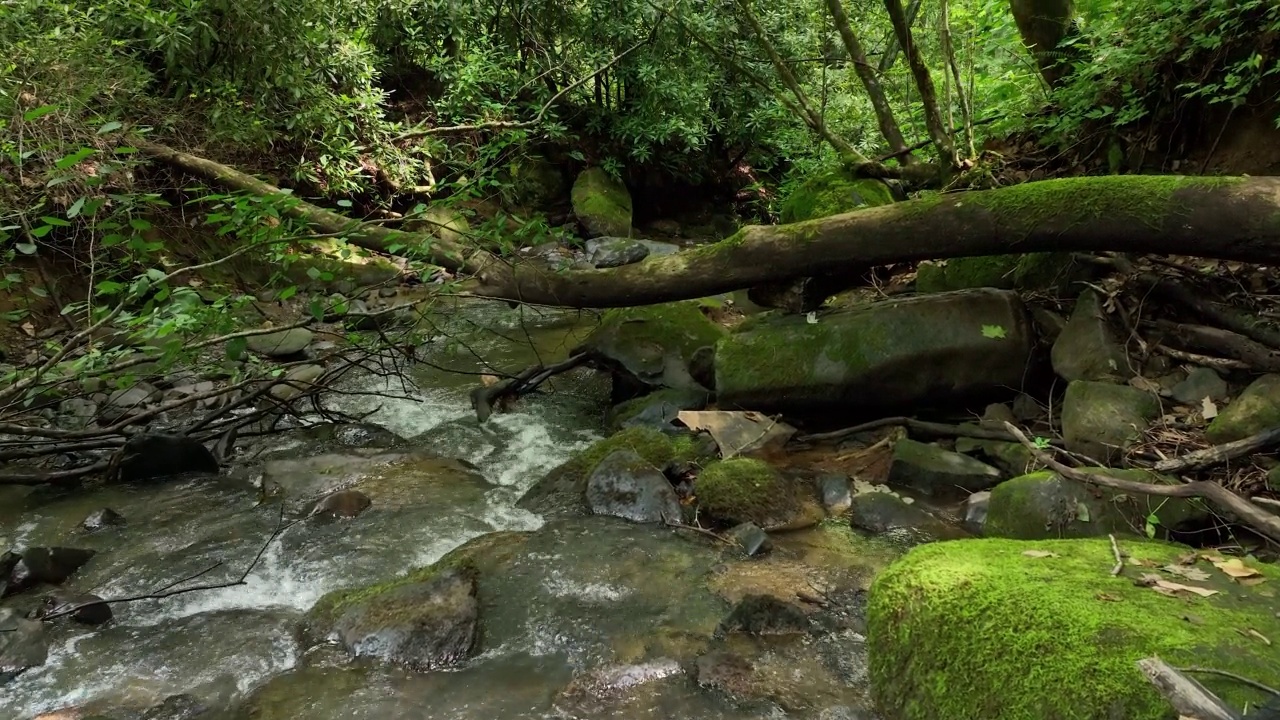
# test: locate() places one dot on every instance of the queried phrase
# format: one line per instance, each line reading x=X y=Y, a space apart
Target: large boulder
x=933 y=350
x=22 y=644
x=51 y=566
x=1044 y=505
x=1008 y=630
x=601 y=204
x=1102 y=420
x=1088 y=348
x=932 y=470
x=832 y=193
x=155 y=456
x=1257 y=409
x=748 y=490
x=626 y=485
x=651 y=347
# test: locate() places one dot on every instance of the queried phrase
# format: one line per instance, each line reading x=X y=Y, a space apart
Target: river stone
x=342 y=504
x=831 y=193
x=96 y=614
x=601 y=204
x=933 y=470
x=46 y=565
x=22 y=644
x=127 y=402
x=904 y=353
x=659 y=409
x=625 y=485
x=887 y=515
x=764 y=615
x=297 y=381
x=952 y=627
x=837 y=495
x=279 y=344
x=1200 y=383
x=748 y=490
x=1257 y=409
x=975 y=511
x=1044 y=505
x=152 y=456
x=611 y=252
x=101 y=519
x=391 y=480
x=422 y=626
x=1101 y=420
x=751 y=538
x=651 y=347
x=1087 y=348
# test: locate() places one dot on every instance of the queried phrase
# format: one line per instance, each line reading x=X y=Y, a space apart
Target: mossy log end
x=1223 y=218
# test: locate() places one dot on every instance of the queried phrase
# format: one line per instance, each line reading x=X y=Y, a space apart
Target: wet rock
x=22 y=644
x=1043 y=505
x=152 y=456
x=751 y=539
x=601 y=204
x=906 y=353
x=933 y=470
x=702 y=366
x=926 y=664
x=78 y=411
x=611 y=252
x=651 y=347
x=975 y=511
x=342 y=504
x=837 y=495
x=46 y=565
x=1101 y=420
x=1026 y=407
x=391 y=480
x=280 y=344
x=658 y=410
x=886 y=515
x=1088 y=348
x=179 y=707
x=1257 y=409
x=1201 y=383
x=748 y=490
x=296 y=382
x=764 y=615
x=422 y=626
x=127 y=402
x=332 y=436
x=102 y=519
x=58 y=603
x=625 y=485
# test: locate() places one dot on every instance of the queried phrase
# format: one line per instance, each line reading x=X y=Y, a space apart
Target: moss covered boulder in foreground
x=749 y=490
x=980 y=629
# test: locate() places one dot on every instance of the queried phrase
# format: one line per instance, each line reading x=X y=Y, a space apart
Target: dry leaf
x=1251 y=581
x=1170 y=588
x=1188 y=558
x=1236 y=568
x=1208 y=409
x=1039 y=553
x=1107 y=597
x=1190 y=573
x=1142 y=383
x=489 y=380
x=29 y=329
x=1211 y=557
x=1149 y=579
x=737 y=432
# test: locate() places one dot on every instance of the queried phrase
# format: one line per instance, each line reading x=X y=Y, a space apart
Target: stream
x=586 y=624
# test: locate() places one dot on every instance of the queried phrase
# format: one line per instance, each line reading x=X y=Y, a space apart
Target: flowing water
x=584 y=594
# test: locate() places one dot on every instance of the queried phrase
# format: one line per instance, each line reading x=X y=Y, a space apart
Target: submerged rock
x=51 y=566
x=764 y=615
x=627 y=486
x=1257 y=409
x=1043 y=505
x=748 y=490
x=933 y=350
x=421 y=626
x=611 y=252
x=153 y=456
x=932 y=470
x=1087 y=348
x=96 y=613
x=22 y=644
x=342 y=504
x=1101 y=420
x=952 y=626
x=886 y=515
x=601 y=204
x=391 y=480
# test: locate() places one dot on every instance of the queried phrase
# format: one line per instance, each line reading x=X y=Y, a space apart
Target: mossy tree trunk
x=938 y=133
x=867 y=75
x=1044 y=24
x=1224 y=218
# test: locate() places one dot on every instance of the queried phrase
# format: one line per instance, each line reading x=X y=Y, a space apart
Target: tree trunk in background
x=867 y=74
x=891 y=46
x=924 y=83
x=1043 y=25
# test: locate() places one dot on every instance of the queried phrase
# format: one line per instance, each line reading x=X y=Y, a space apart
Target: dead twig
x=702 y=531
x=928 y=429
x=1115 y=550
x=1219 y=454
x=1238 y=678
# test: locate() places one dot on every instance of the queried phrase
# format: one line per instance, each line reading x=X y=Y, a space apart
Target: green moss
x=1257 y=409
x=740 y=490
x=680 y=325
x=978 y=629
x=832 y=193
x=1031 y=271
x=678 y=397
x=602 y=203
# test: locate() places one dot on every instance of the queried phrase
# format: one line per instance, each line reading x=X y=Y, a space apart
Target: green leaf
x=313 y=273
x=995 y=332
x=110 y=127
x=39 y=291
x=344 y=203
x=58 y=222
x=139 y=224
x=287 y=293
x=38 y=112
x=317 y=309
x=26 y=248
x=155 y=274
x=75 y=208
x=74 y=158
x=236 y=348
x=1082 y=512
x=41 y=231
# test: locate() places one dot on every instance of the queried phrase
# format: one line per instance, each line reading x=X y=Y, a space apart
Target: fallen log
x=1223 y=218
x=1188 y=697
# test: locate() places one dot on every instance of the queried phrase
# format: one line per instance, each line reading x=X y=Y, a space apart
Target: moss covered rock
x=980 y=629
x=1031 y=271
x=931 y=350
x=1088 y=348
x=1043 y=505
x=749 y=490
x=1101 y=420
x=832 y=193
x=1257 y=409
x=657 y=409
x=651 y=346
x=933 y=470
x=601 y=204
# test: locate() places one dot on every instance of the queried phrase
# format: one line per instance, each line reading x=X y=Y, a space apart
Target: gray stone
x=1101 y=420
x=975 y=511
x=296 y=382
x=837 y=495
x=886 y=515
x=658 y=248
x=421 y=626
x=282 y=343
x=610 y=252
x=751 y=539
x=127 y=402
x=84 y=608
x=1087 y=348
x=1201 y=383
x=881 y=357
x=22 y=644
x=155 y=456
x=932 y=470
x=1257 y=409
x=51 y=566
x=80 y=411
x=1026 y=407
x=102 y=519
x=625 y=485
x=342 y=504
